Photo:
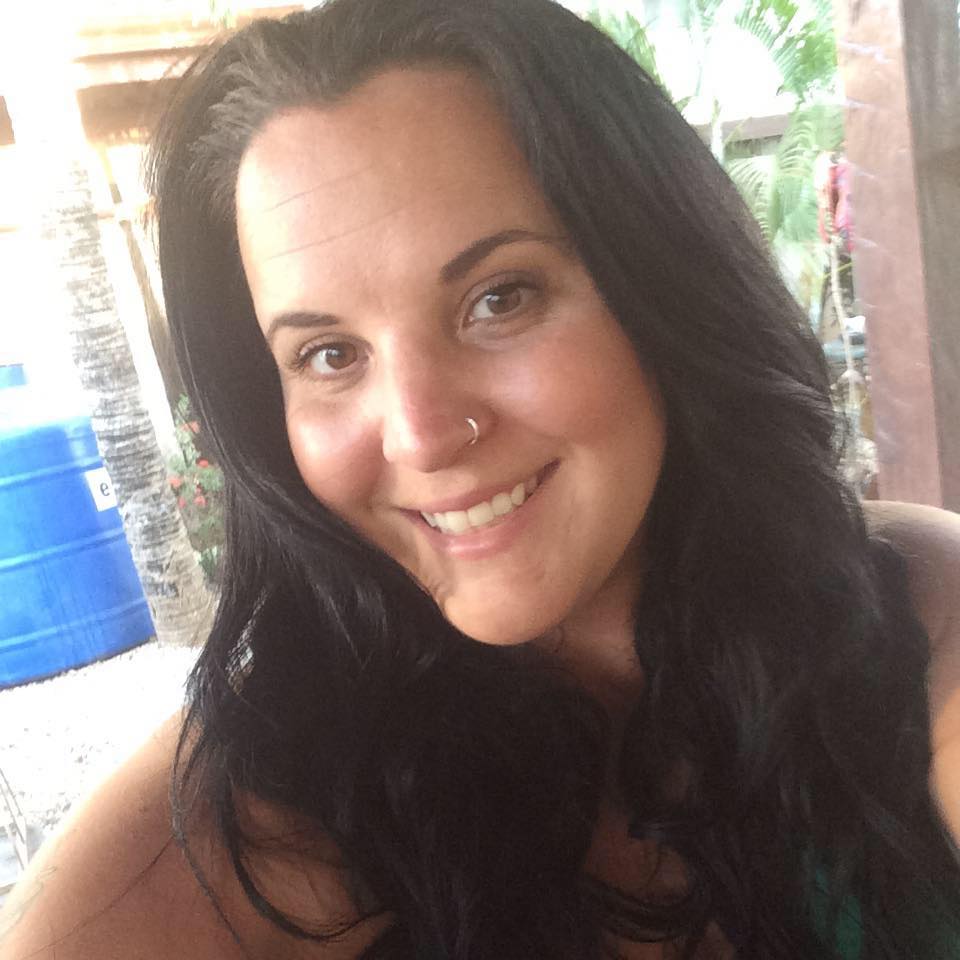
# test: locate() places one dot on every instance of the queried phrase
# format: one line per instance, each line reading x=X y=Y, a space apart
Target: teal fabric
x=847 y=933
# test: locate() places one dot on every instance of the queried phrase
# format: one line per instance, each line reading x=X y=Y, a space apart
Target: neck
x=596 y=642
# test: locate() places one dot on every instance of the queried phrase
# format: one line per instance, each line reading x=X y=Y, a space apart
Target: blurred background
x=838 y=121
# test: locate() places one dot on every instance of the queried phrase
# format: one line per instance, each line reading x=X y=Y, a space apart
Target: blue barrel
x=69 y=592
x=12 y=375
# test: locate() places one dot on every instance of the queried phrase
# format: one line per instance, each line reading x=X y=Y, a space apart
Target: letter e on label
x=101 y=489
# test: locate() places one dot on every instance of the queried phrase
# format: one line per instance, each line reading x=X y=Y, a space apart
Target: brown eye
x=332 y=358
x=500 y=302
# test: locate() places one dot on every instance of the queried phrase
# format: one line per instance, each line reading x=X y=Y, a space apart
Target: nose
x=427 y=397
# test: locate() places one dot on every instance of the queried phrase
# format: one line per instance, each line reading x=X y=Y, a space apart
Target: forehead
x=424 y=143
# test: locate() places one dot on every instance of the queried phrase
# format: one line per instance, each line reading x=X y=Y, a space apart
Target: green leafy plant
x=775 y=178
x=804 y=49
x=631 y=36
x=778 y=187
x=198 y=486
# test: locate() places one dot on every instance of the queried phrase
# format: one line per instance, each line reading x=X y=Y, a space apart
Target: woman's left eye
x=500 y=301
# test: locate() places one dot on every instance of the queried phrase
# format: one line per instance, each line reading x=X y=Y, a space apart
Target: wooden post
x=900 y=64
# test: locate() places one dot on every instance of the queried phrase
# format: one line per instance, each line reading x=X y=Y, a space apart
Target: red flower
x=181 y=502
x=193 y=426
x=200 y=500
x=203 y=463
x=175 y=482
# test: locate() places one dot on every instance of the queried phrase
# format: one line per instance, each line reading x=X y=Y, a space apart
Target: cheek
x=336 y=456
x=586 y=388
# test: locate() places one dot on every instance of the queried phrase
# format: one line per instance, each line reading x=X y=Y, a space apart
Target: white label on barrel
x=101 y=489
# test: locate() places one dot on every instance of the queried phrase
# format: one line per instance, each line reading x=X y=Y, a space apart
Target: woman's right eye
x=327 y=360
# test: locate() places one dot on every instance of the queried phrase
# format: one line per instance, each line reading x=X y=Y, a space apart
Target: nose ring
x=472 y=424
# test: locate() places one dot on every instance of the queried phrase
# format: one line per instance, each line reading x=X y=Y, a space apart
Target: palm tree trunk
x=74 y=265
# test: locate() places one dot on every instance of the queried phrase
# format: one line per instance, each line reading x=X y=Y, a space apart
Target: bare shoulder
x=111 y=881
x=930 y=540
x=114 y=885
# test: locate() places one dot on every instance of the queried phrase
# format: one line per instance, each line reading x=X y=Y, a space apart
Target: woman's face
x=408 y=274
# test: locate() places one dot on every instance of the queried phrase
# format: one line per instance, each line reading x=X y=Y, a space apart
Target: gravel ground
x=60 y=737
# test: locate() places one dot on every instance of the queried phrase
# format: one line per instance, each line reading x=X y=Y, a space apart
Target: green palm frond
x=827 y=121
x=804 y=50
x=777 y=186
x=755 y=177
x=799 y=224
x=632 y=37
x=810 y=132
x=707 y=11
x=779 y=190
x=801 y=265
x=641 y=48
x=767 y=21
x=795 y=148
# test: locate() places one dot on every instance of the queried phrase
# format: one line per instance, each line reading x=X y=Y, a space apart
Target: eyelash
x=503 y=287
x=304 y=356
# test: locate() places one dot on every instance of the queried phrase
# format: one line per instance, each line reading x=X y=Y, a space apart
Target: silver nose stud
x=472 y=424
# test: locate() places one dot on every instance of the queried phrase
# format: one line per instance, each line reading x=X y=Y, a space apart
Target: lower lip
x=485 y=541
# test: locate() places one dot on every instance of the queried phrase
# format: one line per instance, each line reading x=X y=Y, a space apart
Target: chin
x=500 y=631
x=501 y=639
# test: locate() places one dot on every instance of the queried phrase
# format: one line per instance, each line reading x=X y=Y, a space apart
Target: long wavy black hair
x=780 y=745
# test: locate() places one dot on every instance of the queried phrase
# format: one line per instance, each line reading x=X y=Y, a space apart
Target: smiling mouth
x=486 y=513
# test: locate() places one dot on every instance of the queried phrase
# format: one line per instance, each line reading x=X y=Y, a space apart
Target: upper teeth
x=480 y=514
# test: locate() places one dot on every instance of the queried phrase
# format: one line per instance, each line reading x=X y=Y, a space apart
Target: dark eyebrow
x=299 y=320
x=463 y=262
x=455 y=269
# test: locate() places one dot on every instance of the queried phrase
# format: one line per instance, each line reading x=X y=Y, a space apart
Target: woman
x=547 y=627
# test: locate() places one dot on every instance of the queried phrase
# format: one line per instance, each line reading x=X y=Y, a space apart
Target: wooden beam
x=900 y=63
x=932 y=44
